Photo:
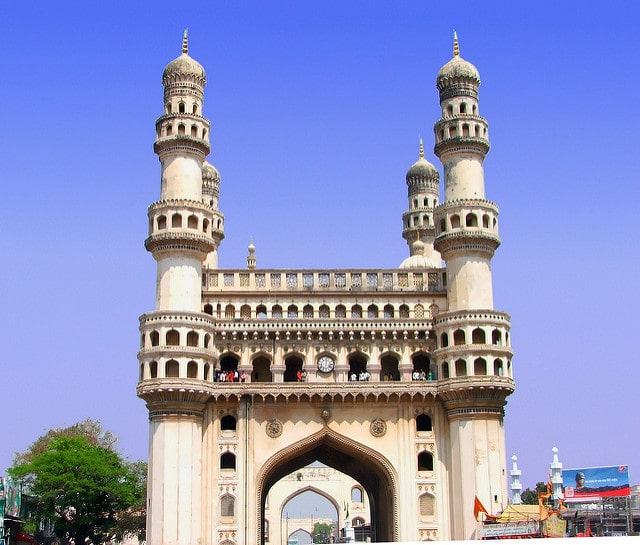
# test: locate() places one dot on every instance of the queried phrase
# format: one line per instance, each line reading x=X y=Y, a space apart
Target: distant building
x=396 y=377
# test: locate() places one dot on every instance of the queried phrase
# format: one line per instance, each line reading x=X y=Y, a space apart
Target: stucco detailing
x=274 y=428
x=378 y=427
x=228 y=360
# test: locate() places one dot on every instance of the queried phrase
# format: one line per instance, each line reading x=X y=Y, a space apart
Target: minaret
x=555 y=471
x=418 y=228
x=251 y=257
x=175 y=355
x=473 y=354
x=516 y=485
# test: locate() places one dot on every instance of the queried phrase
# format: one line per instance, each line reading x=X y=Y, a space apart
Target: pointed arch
x=372 y=470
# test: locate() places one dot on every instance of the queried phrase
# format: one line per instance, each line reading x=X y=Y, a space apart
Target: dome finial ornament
x=421 y=149
x=185 y=41
x=456 y=47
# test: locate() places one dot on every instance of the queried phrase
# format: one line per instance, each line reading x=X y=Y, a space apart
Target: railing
x=376 y=280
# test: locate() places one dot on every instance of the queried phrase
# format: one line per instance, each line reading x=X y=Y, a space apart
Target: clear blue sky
x=316 y=111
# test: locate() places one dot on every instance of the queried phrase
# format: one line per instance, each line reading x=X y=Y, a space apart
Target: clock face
x=325 y=364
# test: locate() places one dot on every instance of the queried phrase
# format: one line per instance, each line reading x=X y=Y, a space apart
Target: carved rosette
x=378 y=427
x=274 y=428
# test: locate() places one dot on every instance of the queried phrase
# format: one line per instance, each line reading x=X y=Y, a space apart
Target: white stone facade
x=420 y=427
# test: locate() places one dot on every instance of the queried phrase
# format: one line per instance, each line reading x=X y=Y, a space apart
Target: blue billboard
x=593 y=483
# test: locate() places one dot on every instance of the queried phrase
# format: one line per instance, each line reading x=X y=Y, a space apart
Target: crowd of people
x=230 y=376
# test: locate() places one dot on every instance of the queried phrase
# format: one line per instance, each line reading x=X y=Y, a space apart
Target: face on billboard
x=595 y=482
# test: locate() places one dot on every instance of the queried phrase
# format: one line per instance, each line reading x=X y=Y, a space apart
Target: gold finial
x=185 y=41
x=421 y=149
x=456 y=47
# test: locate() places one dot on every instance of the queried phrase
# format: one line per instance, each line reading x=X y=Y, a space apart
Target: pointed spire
x=421 y=149
x=185 y=42
x=456 y=47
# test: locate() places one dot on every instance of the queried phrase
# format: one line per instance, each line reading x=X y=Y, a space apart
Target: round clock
x=325 y=364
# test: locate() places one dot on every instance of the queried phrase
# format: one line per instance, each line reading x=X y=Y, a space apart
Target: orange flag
x=478 y=508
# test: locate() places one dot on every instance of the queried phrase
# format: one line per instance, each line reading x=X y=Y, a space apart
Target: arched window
x=205 y=225
x=372 y=311
x=357 y=496
x=181 y=129
x=192 y=369
x=153 y=369
x=245 y=312
x=192 y=222
x=169 y=130
x=341 y=311
x=471 y=220
x=497 y=368
x=229 y=312
x=194 y=131
x=293 y=364
x=445 y=370
x=389 y=368
x=427 y=505
x=423 y=423
x=496 y=336
x=162 y=222
x=192 y=338
x=485 y=221
x=172 y=369
x=172 y=338
x=181 y=107
x=207 y=372
x=194 y=109
x=323 y=311
x=425 y=461
x=443 y=225
x=459 y=337
x=455 y=221
x=418 y=311
x=168 y=107
x=444 y=340
x=307 y=312
x=261 y=370
x=292 y=311
x=478 y=336
x=228 y=461
x=228 y=423
x=404 y=311
x=141 y=374
x=357 y=521
x=461 y=368
x=155 y=338
x=176 y=221
x=463 y=108
x=388 y=311
x=208 y=309
x=479 y=366
x=227 y=506
x=356 y=311
x=276 y=311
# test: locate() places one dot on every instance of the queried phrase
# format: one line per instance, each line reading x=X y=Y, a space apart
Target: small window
x=228 y=461
x=172 y=369
x=228 y=423
x=181 y=107
x=227 y=506
x=423 y=423
x=425 y=461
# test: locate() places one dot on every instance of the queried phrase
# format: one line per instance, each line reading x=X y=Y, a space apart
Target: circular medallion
x=274 y=428
x=378 y=427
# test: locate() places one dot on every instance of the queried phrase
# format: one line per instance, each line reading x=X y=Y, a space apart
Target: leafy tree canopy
x=321 y=532
x=530 y=497
x=81 y=484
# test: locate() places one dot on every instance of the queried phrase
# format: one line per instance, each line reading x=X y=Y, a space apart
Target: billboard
x=594 y=483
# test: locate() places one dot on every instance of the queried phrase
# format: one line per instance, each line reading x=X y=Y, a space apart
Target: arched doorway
x=368 y=467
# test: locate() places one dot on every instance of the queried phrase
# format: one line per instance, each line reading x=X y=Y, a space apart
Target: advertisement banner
x=12 y=498
x=510 y=529
x=594 y=483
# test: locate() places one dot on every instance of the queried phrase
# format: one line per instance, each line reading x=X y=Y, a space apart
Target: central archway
x=372 y=470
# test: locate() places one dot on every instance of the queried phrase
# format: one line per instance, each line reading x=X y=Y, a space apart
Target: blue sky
x=316 y=111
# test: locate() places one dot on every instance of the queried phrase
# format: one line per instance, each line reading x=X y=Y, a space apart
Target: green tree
x=321 y=532
x=80 y=483
x=530 y=497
